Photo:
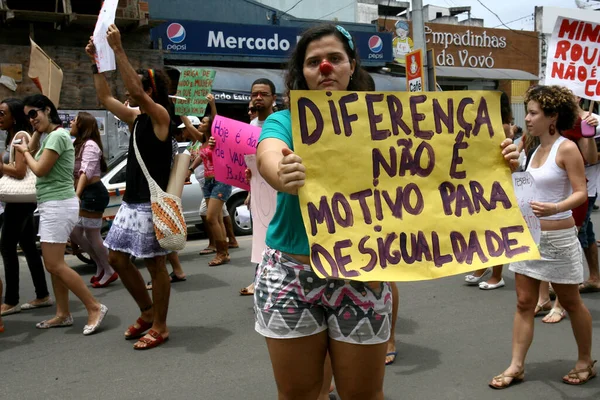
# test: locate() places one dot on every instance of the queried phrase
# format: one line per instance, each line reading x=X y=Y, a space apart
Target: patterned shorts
x=291 y=301
x=132 y=232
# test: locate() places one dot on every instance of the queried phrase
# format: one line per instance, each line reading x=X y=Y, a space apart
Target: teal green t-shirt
x=286 y=231
x=58 y=184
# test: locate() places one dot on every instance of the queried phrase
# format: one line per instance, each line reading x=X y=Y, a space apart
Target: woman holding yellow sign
x=350 y=320
x=557 y=167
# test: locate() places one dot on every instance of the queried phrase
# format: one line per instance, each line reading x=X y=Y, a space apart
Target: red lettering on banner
x=567 y=28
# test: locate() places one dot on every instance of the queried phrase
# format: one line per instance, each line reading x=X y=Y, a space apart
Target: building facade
x=62 y=29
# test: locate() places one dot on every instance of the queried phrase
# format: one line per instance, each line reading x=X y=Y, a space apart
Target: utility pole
x=418 y=32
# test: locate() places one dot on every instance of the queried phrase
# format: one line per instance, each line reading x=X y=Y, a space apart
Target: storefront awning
x=485 y=73
x=232 y=85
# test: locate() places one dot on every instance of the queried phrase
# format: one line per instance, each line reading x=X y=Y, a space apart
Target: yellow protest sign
x=406 y=187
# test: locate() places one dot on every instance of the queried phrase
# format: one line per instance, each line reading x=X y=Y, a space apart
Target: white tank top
x=551 y=181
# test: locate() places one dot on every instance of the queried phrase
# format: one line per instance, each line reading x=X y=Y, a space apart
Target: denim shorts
x=586 y=234
x=291 y=301
x=95 y=198
x=214 y=189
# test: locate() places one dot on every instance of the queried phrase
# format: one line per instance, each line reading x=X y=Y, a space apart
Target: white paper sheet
x=105 y=56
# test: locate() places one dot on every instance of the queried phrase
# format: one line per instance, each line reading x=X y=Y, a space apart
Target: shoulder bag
x=14 y=190
x=167 y=213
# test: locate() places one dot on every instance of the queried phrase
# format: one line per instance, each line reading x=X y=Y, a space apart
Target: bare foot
x=554 y=316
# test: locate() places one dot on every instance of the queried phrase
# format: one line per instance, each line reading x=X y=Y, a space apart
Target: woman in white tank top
x=558 y=170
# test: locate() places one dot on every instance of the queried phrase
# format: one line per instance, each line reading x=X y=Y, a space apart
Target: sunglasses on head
x=32 y=114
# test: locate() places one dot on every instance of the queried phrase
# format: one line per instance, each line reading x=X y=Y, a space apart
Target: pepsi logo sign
x=376 y=47
x=176 y=33
x=375 y=44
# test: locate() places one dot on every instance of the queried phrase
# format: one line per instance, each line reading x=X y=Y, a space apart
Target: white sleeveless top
x=551 y=181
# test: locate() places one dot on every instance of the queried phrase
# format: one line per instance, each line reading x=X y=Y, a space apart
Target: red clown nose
x=326 y=68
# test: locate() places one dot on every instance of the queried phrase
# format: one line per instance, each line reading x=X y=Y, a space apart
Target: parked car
x=114 y=180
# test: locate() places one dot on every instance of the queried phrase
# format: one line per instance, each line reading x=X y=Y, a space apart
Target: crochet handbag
x=14 y=190
x=167 y=213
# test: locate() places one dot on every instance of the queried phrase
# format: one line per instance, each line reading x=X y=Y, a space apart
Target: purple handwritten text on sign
x=234 y=139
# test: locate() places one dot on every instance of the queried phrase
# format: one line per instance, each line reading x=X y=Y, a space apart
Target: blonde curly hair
x=555 y=100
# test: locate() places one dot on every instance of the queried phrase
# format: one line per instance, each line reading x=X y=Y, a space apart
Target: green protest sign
x=194 y=85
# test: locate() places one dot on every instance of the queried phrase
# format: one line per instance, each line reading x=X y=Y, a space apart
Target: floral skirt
x=132 y=232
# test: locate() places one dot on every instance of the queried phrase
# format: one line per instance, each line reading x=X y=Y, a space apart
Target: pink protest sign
x=234 y=139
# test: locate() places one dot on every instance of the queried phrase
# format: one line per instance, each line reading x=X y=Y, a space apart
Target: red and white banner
x=574 y=57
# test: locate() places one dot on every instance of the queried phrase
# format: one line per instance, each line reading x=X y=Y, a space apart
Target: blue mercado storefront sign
x=209 y=38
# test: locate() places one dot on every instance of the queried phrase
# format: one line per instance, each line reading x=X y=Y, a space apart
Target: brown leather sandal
x=574 y=374
x=514 y=378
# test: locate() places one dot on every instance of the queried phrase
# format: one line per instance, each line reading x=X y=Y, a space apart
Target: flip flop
x=233 y=246
x=150 y=344
x=175 y=278
x=561 y=313
x=588 y=287
x=391 y=353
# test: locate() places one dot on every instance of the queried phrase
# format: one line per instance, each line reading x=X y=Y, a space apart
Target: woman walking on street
x=59 y=209
x=92 y=194
x=557 y=168
x=216 y=193
x=18 y=226
x=132 y=232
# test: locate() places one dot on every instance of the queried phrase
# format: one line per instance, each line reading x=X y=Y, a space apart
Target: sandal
x=560 y=312
x=175 y=278
x=574 y=374
x=147 y=343
x=219 y=259
x=234 y=245
x=514 y=379
x=589 y=287
x=208 y=250
x=134 y=333
x=542 y=307
x=246 y=291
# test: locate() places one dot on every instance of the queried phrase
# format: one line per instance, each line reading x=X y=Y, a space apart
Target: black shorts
x=94 y=198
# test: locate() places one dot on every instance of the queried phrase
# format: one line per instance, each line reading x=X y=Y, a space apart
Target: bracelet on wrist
x=556 y=208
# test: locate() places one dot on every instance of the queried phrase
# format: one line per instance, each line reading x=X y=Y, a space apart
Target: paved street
x=452 y=340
